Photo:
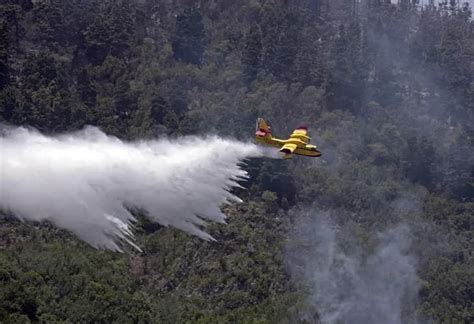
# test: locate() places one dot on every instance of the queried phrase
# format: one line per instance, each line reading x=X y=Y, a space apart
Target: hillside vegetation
x=388 y=93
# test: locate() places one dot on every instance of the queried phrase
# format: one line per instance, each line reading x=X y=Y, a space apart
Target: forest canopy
x=388 y=92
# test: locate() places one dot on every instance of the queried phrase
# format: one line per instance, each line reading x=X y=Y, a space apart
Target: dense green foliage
x=388 y=89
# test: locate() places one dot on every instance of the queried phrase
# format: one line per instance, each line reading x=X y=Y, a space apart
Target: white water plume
x=86 y=182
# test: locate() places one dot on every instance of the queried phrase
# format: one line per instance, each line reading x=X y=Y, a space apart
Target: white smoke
x=345 y=284
x=86 y=182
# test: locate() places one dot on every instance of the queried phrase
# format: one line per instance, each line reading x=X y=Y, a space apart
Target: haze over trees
x=388 y=92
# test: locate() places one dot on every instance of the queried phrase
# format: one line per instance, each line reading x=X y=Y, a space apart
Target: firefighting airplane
x=298 y=143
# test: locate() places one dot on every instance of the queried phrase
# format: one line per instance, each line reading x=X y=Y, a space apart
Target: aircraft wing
x=301 y=133
x=288 y=148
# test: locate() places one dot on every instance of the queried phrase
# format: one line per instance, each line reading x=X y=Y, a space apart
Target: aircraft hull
x=302 y=151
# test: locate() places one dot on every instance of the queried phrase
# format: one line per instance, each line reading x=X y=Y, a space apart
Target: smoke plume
x=343 y=282
x=88 y=182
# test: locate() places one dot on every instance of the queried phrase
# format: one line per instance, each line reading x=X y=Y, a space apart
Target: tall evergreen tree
x=48 y=18
x=188 y=40
x=4 y=57
x=111 y=32
x=346 y=85
x=252 y=52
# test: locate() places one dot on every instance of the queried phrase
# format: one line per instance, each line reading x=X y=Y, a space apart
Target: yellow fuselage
x=302 y=147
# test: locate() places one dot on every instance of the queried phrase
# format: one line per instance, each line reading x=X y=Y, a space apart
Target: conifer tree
x=4 y=57
x=188 y=40
x=252 y=52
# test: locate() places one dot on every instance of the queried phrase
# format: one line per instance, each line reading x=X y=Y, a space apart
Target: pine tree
x=348 y=69
x=287 y=45
x=270 y=26
x=188 y=39
x=48 y=18
x=252 y=52
x=111 y=32
x=420 y=157
x=4 y=57
x=12 y=15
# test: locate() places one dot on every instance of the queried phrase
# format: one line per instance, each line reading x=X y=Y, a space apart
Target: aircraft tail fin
x=263 y=129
